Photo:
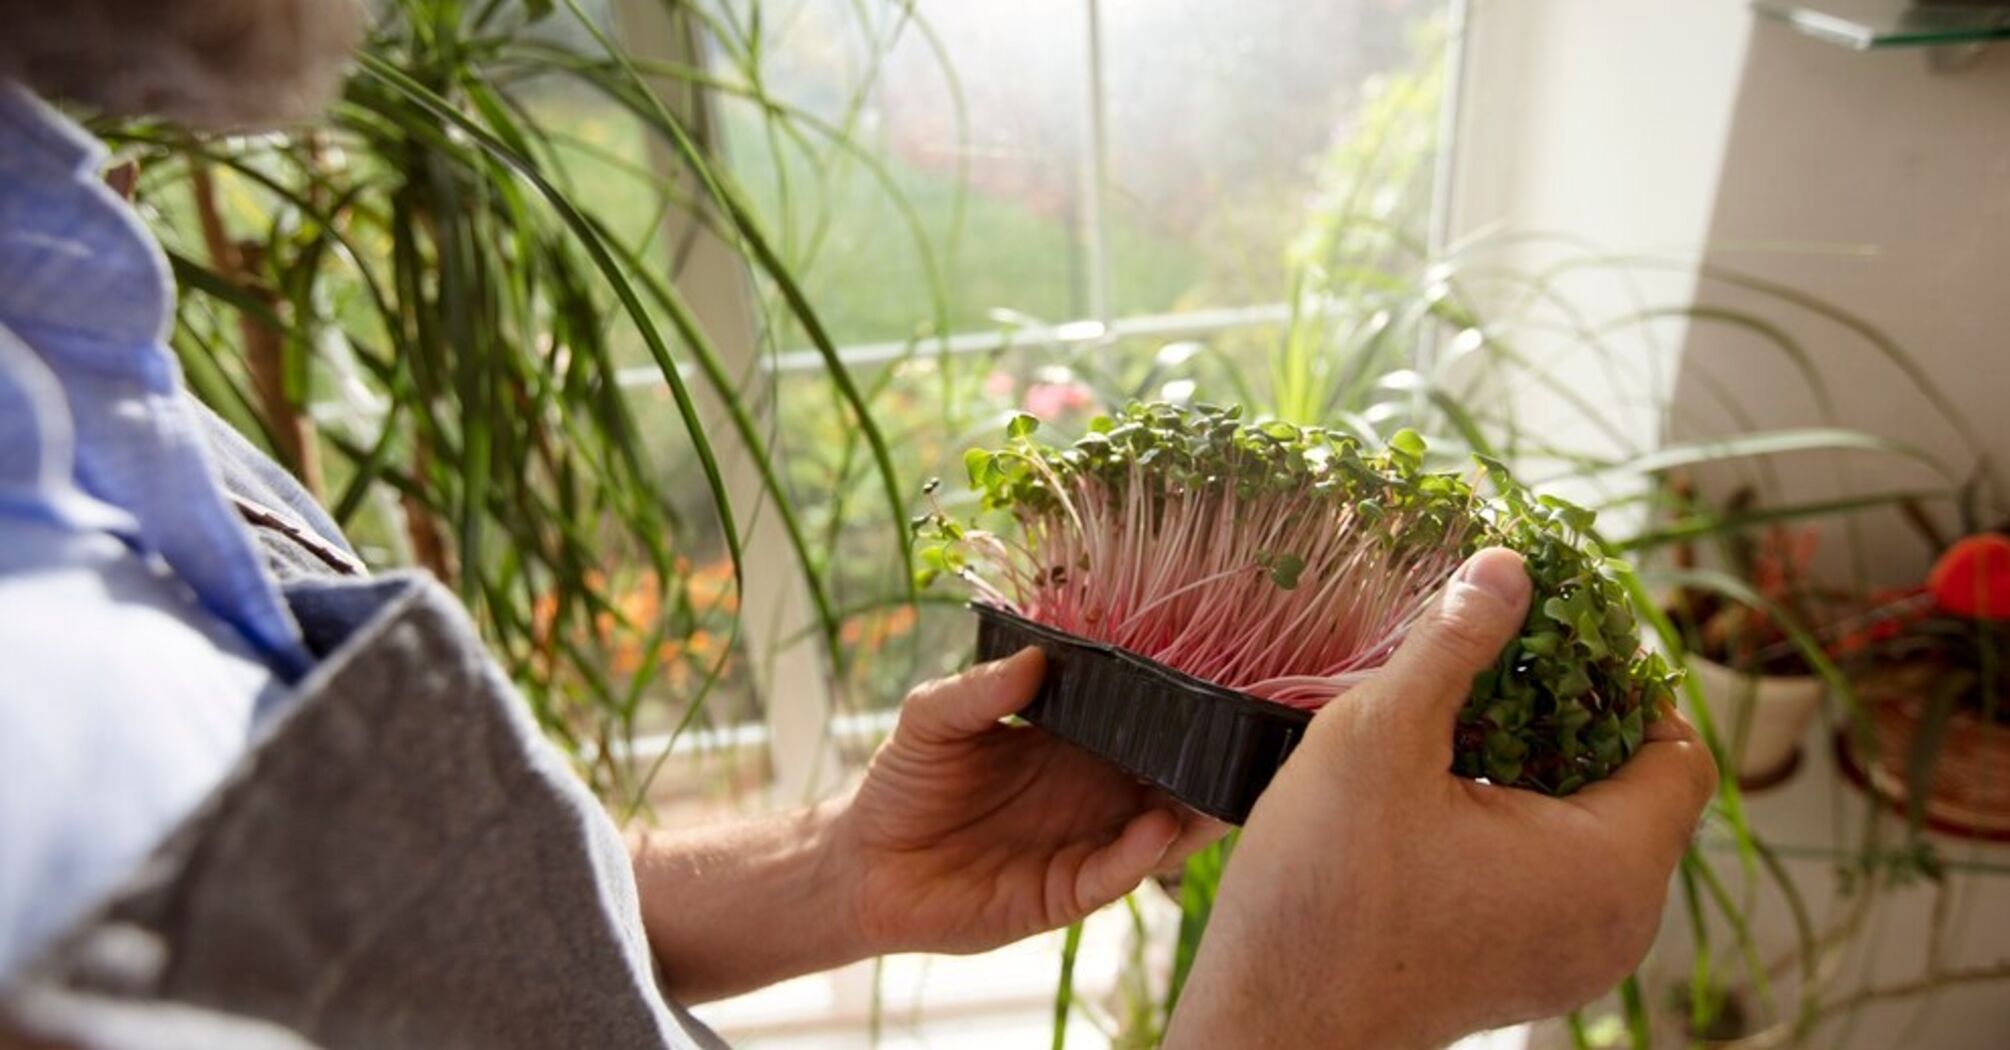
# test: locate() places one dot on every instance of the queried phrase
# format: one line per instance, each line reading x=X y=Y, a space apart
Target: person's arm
x=965 y=834
x=736 y=906
x=1377 y=900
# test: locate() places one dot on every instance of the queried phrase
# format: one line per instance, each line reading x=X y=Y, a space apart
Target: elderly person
x=253 y=797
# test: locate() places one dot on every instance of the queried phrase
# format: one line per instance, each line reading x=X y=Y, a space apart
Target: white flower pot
x=1781 y=708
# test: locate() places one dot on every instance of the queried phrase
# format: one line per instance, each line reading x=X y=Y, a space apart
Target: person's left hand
x=968 y=833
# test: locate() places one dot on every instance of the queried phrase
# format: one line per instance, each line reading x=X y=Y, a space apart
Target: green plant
x=1777 y=565
x=426 y=304
x=1288 y=562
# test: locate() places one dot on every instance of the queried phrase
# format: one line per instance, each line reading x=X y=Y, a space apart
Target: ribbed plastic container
x=1212 y=748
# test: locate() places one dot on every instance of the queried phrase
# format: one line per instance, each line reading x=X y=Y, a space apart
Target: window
x=1075 y=159
x=1043 y=204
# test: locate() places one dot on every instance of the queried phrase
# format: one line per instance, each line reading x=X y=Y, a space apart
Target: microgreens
x=1288 y=563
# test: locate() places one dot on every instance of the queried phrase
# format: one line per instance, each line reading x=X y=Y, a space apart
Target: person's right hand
x=1377 y=900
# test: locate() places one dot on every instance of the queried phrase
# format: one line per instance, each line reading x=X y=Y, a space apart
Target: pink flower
x=1053 y=400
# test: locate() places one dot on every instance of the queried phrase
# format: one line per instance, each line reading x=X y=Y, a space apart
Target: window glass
x=1228 y=122
x=1225 y=124
x=958 y=188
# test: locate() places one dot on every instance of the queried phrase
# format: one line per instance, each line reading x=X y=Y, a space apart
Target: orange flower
x=871 y=631
x=543 y=613
x=712 y=587
x=627 y=656
x=640 y=604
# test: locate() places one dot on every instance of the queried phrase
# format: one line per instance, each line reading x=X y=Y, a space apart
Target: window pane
x=1234 y=131
x=1235 y=127
x=977 y=147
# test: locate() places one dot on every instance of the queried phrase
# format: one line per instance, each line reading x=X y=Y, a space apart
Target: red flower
x=1973 y=577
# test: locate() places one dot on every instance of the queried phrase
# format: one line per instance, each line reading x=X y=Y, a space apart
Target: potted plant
x=1202 y=583
x=1740 y=648
x=1934 y=678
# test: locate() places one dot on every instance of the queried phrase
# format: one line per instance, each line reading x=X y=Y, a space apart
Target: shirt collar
x=87 y=293
x=35 y=138
x=74 y=258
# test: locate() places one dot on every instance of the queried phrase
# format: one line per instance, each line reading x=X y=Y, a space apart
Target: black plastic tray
x=1210 y=747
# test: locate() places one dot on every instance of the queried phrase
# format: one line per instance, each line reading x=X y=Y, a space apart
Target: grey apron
x=401 y=861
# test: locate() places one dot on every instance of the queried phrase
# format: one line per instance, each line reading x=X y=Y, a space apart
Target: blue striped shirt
x=141 y=636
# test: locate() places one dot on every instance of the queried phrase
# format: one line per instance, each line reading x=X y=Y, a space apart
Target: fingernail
x=1497 y=571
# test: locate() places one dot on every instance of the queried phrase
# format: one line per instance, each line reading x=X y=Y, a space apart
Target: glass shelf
x=1866 y=24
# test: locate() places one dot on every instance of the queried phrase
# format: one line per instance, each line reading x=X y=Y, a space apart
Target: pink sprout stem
x=1185 y=578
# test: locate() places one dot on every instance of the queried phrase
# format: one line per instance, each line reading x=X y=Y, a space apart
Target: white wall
x=1602 y=118
x=1868 y=180
x=1865 y=179
x=1600 y=125
x=1905 y=172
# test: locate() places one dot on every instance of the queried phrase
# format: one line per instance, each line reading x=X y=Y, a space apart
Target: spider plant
x=426 y=302
x=1495 y=333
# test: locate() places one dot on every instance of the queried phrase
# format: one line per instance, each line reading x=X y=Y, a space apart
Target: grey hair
x=208 y=63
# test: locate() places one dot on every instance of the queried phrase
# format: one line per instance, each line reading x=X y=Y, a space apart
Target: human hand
x=965 y=834
x=968 y=833
x=1375 y=899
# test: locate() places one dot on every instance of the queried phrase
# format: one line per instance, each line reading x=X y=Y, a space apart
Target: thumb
x=970 y=703
x=1431 y=673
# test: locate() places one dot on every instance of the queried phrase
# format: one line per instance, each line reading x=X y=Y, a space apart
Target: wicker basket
x=1968 y=791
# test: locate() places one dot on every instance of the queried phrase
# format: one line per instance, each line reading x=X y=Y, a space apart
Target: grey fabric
x=402 y=862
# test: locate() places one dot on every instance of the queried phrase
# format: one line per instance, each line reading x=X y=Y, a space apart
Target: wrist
x=1286 y=961
x=831 y=879
x=845 y=857
x=735 y=907
x=1255 y=1005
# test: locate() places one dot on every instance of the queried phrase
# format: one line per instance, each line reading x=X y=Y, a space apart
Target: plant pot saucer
x=1754 y=783
x=1891 y=793
x=1210 y=747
